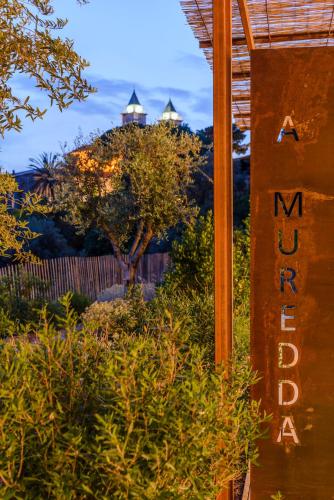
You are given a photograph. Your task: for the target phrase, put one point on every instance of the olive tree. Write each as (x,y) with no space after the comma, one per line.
(30,46)
(132,184)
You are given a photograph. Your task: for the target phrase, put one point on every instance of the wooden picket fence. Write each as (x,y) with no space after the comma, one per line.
(87,275)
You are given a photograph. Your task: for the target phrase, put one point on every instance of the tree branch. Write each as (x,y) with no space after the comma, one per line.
(142,246)
(116,248)
(205,175)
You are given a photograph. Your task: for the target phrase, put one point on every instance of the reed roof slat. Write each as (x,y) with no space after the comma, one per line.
(274,23)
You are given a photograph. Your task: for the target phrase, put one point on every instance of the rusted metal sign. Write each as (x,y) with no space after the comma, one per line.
(292,210)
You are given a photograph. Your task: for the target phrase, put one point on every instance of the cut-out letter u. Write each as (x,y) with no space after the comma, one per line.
(289,251)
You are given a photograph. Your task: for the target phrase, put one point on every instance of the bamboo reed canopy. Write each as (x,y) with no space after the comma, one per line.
(260,24)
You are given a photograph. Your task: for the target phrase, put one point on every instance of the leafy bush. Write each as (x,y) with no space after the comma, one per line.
(14,210)
(7,326)
(138,418)
(55,312)
(28,286)
(195,311)
(193,261)
(110,318)
(22,297)
(80,302)
(193,256)
(241,269)
(133,315)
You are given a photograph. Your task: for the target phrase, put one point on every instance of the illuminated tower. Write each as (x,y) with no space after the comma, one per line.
(134,112)
(171,115)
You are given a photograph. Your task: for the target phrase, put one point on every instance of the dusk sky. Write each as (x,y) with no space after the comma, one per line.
(141,44)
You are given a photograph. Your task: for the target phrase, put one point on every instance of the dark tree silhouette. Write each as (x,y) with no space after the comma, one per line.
(239,145)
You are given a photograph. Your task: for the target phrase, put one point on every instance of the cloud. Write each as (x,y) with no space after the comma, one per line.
(108,87)
(123,88)
(93,107)
(173,92)
(203,104)
(157,104)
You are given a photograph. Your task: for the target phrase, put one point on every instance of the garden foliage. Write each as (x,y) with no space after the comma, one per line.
(15,232)
(138,416)
(196,311)
(193,261)
(241,269)
(21,301)
(193,257)
(111,318)
(127,404)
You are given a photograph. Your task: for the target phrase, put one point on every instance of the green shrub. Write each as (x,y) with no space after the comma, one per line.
(79,302)
(27,286)
(193,257)
(21,298)
(7,326)
(110,318)
(194,310)
(242,336)
(241,279)
(193,261)
(55,312)
(138,418)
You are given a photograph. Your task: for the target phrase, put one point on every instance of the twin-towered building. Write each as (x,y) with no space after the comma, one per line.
(135,113)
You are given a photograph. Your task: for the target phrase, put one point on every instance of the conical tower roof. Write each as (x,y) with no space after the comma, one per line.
(170,114)
(134,111)
(170,108)
(134,99)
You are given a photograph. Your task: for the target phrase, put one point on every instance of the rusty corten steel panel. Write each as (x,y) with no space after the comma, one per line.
(292,277)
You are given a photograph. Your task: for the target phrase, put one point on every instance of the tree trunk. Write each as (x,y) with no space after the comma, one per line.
(132,275)
(129,269)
